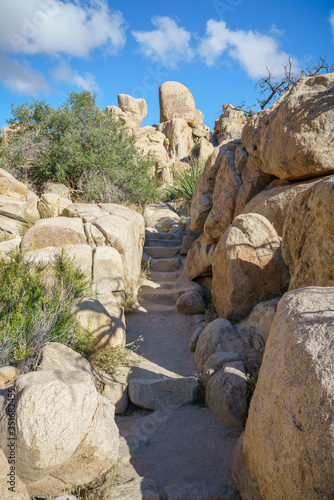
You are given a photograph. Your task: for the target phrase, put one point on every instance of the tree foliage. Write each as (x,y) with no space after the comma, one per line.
(80,145)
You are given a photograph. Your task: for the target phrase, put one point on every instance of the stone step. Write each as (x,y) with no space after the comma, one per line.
(159,236)
(165,265)
(162,243)
(160,296)
(161,277)
(165,285)
(161,252)
(153,394)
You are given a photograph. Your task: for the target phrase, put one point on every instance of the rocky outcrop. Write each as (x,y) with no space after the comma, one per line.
(65,430)
(273,202)
(242,478)
(226,189)
(55,232)
(52,205)
(201,203)
(308,236)
(108,330)
(176,101)
(180,138)
(199,258)
(157,393)
(217,336)
(230,124)
(293,138)
(247,267)
(225,394)
(289,440)
(190,303)
(130,111)
(12,188)
(160,216)
(258,323)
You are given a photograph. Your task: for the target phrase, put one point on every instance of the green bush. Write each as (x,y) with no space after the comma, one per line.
(36,304)
(82,146)
(184,182)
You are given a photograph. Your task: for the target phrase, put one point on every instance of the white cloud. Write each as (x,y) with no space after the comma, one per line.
(56,26)
(64,73)
(21,78)
(253,51)
(168,44)
(331,20)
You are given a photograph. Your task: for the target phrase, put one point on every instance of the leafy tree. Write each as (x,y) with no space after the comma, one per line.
(80,145)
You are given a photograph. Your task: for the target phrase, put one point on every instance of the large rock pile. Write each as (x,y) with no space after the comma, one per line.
(180,130)
(264,166)
(65,431)
(289,442)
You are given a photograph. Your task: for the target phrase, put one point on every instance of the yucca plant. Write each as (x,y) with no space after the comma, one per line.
(184,182)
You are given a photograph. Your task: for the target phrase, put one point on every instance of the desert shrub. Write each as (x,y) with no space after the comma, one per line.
(184,182)
(80,145)
(111,358)
(36,304)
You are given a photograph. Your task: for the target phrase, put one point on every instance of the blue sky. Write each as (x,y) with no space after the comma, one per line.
(218,49)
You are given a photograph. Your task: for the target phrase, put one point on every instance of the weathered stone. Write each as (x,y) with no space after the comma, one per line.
(117,393)
(225,394)
(289,439)
(156,393)
(108,330)
(88,212)
(242,478)
(108,276)
(57,188)
(80,255)
(52,205)
(12,206)
(77,442)
(194,338)
(10,228)
(201,203)
(225,193)
(187,243)
(7,247)
(217,361)
(294,137)
(247,267)
(308,236)
(219,335)
(12,188)
(259,322)
(57,232)
(124,229)
(254,180)
(199,259)
(230,124)
(190,303)
(134,109)
(176,101)
(32,210)
(55,356)
(180,138)
(8,374)
(158,214)
(205,149)
(274,201)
